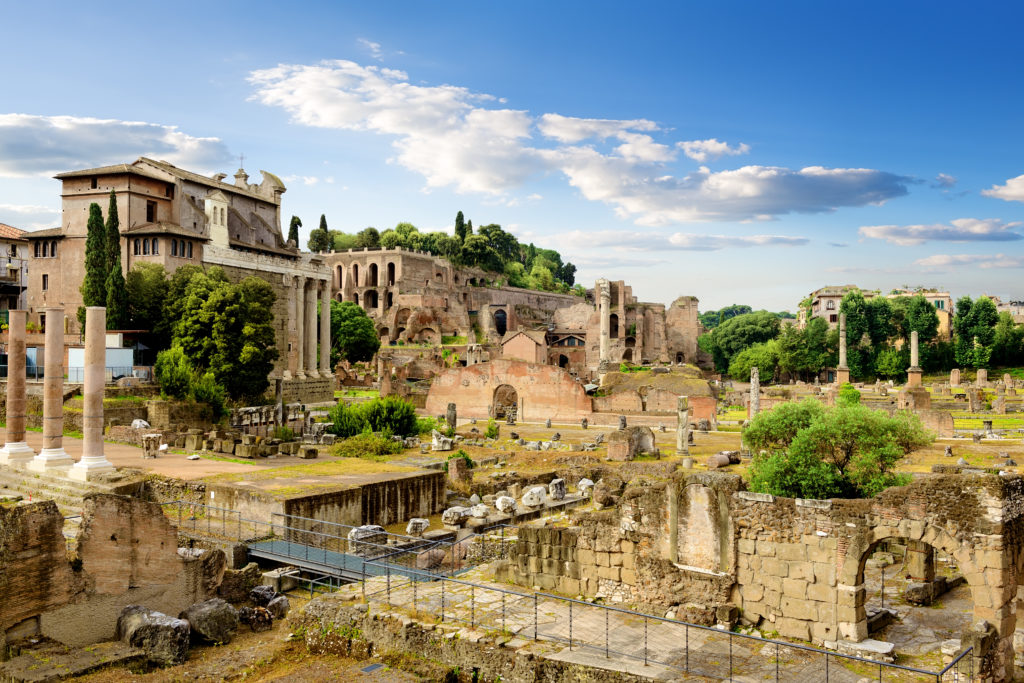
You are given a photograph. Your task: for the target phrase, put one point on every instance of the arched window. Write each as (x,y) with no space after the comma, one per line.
(37,249)
(53,249)
(831,305)
(174,247)
(138,247)
(190,250)
(156,246)
(46,249)
(145,247)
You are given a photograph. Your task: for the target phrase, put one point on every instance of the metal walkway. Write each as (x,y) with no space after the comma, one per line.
(329,562)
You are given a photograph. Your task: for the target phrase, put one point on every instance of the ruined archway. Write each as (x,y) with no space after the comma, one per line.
(391,275)
(370,299)
(385,334)
(355,274)
(341,276)
(613,326)
(627,355)
(390,299)
(679,357)
(506,401)
(371,276)
(355,297)
(500,322)
(563,361)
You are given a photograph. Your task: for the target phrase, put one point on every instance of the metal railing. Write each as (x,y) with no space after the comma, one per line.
(617,633)
(31,371)
(111,373)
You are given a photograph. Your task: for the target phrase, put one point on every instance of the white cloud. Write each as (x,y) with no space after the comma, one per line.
(702,150)
(959,230)
(448,135)
(1011,191)
(29,216)
(628,240)
(43,145)
(372,47)
(944,180)
(986,261)
(304,179)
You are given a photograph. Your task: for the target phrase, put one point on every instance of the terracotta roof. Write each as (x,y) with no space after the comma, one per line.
(9,232)
(49,233)
(163,229)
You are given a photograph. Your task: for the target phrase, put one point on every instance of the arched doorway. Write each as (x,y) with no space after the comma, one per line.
(370,298)
(613,326)
(355,297)
(679,357)
(563,361)
(355,274)
(391,275)
(500,322)
(627,355)
(390,300)
(341,276)
(384,334)
(506,401)
(372,276)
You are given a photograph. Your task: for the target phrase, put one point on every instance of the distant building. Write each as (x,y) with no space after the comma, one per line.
(825,303)
(1014,308)
(13,268)
(942,302)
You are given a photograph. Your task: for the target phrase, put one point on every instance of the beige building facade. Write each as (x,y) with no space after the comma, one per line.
(14,250)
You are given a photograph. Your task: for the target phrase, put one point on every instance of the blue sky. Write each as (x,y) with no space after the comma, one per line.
(738,152)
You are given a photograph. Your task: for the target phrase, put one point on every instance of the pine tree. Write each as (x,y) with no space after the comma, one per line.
(293,230)
(460,227)
(94,286)
(116,299)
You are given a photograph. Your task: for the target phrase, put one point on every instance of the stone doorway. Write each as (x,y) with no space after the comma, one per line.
(500,322)
(563,361)
(506,401)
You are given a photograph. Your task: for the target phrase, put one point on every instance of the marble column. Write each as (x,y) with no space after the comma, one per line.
(755,391)
(683,425)
(289,362)
(604,301)
(325,329)
(93,460)
(310,334)
(300,327)
(16,450)
(843,371)
(914,372)
(52,454)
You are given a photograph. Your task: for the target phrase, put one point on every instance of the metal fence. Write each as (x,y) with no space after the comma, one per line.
(670,646)
(31,371)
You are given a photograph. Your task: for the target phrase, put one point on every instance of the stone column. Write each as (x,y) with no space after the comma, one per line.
(16,450)
(290,335)
(93,460)
(300,327)
(914,371)
(604,301)
(52,455)
(325,329)
(755,391)
(920,562)
(683,425)
(843,371)
(310,334)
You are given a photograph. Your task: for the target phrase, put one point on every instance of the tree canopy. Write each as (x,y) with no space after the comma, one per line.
(737,334)
(353,337)
(117,294)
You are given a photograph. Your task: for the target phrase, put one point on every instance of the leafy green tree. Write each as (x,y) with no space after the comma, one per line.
(320,239)
(476,251)
(293,230)
(173,372)
(765,356)
(975,324)
(1007,342)
(846,451)
(353,336)
(147,287)
(741,332)
(117,293)
(367,237)
(848,395)
(94,286)
(775,429)
(804,353)
(891,363)
(712,319)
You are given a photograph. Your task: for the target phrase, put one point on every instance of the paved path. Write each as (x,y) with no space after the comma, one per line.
(614,640)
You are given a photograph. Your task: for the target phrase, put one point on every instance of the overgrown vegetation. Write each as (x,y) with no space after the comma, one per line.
(389,416)
(353,337)
(848,451)
(371,446)
(460,454)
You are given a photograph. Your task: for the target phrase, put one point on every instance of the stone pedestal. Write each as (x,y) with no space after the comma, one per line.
(52,456)
(93,461)
(16,451)
(914,377)
(842,376)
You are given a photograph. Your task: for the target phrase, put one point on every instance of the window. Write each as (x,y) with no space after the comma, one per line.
(46,282)
(53,249)
(36,248)
(145,247)
(833,318)
(156,246)
(151,212)
(831,305)
(174,247)
(190,250)
(46,249)
(138,247)
(169,191)
(94,182)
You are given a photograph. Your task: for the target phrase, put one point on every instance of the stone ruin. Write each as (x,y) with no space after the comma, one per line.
(630,442)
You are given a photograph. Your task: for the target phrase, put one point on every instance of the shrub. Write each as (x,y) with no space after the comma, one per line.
(391,414)
(848,395)
(205,389)
(368,446)
(283,433)
(460,454)
(173,372)
(492,430)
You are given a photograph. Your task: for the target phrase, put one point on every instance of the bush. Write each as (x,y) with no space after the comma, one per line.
(283,433)
(775,429)
(460,454)
(206,390)
(492,430)
(368,446)
(173,373)
(392,415)
(848,395)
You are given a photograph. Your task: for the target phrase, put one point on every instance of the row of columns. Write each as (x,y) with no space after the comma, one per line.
(304,362)
(53,457)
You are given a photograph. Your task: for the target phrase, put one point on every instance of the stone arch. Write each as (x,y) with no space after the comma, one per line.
(851,594)
(563,361)
(627,355)
(355,297)
(384,333)
(341,276)
(613,326)
(426,334)
(391,274)
(339,296)
(501,321)
(370,298)
(506,400)
(402,318)
(679,357)
(630,342)
(355,274)
(371,275)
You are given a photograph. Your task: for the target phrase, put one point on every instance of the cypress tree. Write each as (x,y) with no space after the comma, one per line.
(117,291)
(94,286)
(112,234)
(293,230)
(320,239)
(460,227)
(323,222)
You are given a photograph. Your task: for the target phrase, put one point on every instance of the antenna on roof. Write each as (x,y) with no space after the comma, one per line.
(241,161)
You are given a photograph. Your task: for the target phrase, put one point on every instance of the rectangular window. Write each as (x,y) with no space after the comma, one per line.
(37,249)
(169,191)
(151,212)
(833,318)
(156,246)
(94,183)
(46,282)
(190,250)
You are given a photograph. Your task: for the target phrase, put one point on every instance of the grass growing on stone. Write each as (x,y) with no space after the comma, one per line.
(224,458)
(356,393)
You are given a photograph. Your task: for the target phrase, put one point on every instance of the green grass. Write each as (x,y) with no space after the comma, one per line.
(356,393)
(452,341)
(224,458)
(965,420)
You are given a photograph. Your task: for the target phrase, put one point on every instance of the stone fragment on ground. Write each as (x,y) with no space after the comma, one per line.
(164,639)
(211,621)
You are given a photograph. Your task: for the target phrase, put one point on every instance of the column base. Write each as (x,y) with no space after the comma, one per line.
(87,471)
(914,377)
(50,459)
(286,375)
(16,453)
(300,375)
(312,374)
(842,376)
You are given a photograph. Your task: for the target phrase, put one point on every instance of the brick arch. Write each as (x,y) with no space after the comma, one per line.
(851,594)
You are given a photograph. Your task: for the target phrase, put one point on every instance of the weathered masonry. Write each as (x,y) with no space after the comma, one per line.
(701,540)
